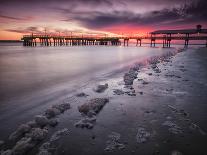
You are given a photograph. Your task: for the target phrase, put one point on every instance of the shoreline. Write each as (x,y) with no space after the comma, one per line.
(118,93)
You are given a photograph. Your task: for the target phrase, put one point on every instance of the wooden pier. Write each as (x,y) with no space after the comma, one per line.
(164,36)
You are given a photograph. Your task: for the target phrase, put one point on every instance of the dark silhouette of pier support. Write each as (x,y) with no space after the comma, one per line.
(30,42)
(139,42)
(153,38)
(166,41)
(126,42)
(186,40)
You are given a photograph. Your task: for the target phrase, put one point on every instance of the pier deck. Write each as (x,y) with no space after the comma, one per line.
(166,36)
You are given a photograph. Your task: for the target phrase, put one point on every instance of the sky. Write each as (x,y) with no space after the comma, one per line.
(134,17)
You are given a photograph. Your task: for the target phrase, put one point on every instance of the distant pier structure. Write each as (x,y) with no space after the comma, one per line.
(185,34)
(164,36)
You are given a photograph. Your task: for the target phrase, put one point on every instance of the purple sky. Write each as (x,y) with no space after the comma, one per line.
(19,17)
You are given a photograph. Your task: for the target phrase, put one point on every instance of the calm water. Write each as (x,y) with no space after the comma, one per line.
(31,79)
(25,70)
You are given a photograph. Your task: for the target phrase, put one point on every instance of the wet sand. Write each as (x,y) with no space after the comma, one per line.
(163,112)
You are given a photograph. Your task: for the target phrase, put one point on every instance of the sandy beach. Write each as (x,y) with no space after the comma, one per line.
(157,106)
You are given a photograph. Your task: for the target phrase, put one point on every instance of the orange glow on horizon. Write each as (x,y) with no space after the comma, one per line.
(129,30)
(5,35)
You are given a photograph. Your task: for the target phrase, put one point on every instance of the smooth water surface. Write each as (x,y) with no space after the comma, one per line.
(25,70)
(32,78)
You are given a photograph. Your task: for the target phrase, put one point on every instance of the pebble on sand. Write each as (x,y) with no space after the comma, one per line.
(175,152)
(37,134)
(101,88)
(173,128)
(21,130)
(6,152)
(129,77)
(46,147)
(81,95)
(22,146)
(142,135)
(94,105)
(62,107)
(56,110)
(53,122)
(86,123)
(118,92)
(114,142)
(58,134)
(52,112)
(145,82)
(41,120)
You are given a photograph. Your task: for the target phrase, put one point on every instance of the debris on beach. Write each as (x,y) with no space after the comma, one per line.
(32,124)
(94,105)
(130,92)
(81,95)
(141,93)
(45,149)
(30,134)
(175,152)
(57,135)
(56,110)
(53,122)
(118,92)
(90,108)
(150,111)
(101,88)
(23,146)
(169,89)
(145,82)
(114,142)
(130,76)
(29,140)
(142,135)
(62,107)
(194,126)
(37,134)
(183,69)
(86,123)
(173,128)
(167,60)
(41,120)
(128,79)
(21,130)
(180,112)
(155,68)
(48,148)
(6,152)
(52,112)
(172,75)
